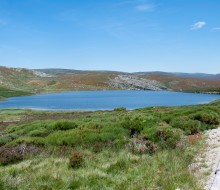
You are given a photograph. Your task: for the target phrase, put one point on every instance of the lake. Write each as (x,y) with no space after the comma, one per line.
(106,100)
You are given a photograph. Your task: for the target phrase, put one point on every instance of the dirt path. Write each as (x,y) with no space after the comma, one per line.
(207,161)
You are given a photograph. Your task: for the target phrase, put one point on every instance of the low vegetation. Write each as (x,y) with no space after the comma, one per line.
(149,148)
(7,93)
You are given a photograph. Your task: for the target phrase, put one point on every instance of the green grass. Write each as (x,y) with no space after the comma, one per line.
(7,93)
(165,170)
(146,148)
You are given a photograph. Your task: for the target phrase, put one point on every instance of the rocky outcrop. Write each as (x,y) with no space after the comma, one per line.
(134,82)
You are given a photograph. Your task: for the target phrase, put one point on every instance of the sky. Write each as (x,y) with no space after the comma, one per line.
(120,35)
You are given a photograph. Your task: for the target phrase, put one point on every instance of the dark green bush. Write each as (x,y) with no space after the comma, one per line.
(120,109)
(76,159)
(134,124)
(7,138)
(92,125)
(189,126)
(4,140)
(39,133)
(210,118)
(165,136)
(65,125)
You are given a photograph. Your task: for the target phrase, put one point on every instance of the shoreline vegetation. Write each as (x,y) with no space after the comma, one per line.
(8,93)
(147,148)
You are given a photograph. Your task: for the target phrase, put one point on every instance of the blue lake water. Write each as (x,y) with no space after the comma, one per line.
(106,100)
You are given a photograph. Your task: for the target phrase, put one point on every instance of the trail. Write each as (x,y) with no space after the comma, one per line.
(207,161)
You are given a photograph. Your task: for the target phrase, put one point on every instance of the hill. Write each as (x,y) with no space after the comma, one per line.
(183,75)
(54,80)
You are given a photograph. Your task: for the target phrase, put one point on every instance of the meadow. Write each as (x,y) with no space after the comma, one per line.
(148,148)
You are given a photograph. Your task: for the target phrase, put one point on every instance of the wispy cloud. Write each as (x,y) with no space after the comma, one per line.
(145,7)
(198,25)
(138,5)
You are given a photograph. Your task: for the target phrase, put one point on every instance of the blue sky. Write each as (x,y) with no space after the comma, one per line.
(124,35)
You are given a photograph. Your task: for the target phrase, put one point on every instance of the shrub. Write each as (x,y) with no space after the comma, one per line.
(165,136)
(39,133)
(14,154)
(76,159)
(92,125)
(135,124)
(120,109)
(167,119)
(65,125)
(140,144)
(7,138)
(189,126)
(4,140)
(211,118)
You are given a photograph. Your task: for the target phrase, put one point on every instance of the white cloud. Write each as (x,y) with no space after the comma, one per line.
(145,7)
(198,25)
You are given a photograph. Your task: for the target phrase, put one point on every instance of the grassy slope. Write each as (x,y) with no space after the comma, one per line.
(156,156)
(7,93)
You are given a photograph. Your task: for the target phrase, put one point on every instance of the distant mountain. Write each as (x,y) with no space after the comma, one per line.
(183,75)
(57,71)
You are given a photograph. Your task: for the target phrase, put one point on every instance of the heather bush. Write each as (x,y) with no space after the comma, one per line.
(140,144)
(210,118)
(120,109)
(39,133)
(4,140)
(65,125)
(189,126)
(165,136)
(76,159)
(135,124)
(92,125)
(10,155)
(14,154)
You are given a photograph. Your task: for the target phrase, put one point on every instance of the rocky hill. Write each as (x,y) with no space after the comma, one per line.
(53,80)
(134,82)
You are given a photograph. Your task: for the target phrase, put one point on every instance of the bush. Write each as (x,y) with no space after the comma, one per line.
(165,136)
(135,124)
(120,109)
(140,144)
(76,159)
(7,138)
(14,154)
(211,118)
(189,126)
(39,133)
(92,125)
(65,125)
(4,140)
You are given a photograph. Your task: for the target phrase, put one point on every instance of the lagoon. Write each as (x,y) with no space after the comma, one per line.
(106,100)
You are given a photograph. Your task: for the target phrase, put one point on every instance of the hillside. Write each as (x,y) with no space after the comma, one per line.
(54,80)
